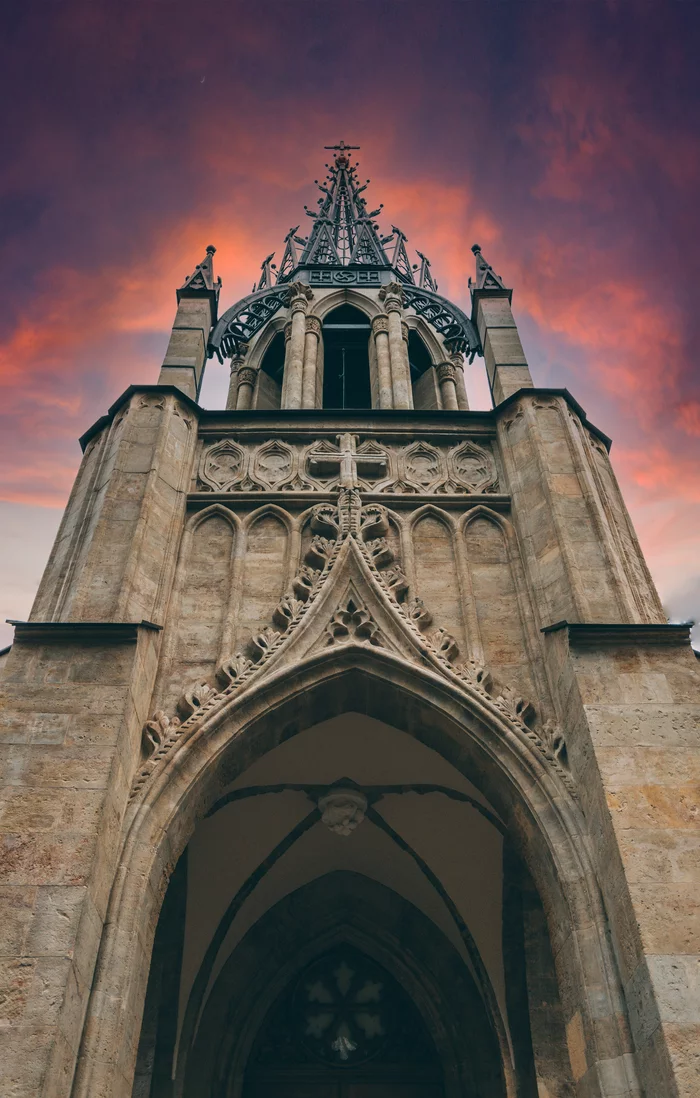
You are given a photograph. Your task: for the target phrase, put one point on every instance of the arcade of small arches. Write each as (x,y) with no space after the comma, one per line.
(347,350)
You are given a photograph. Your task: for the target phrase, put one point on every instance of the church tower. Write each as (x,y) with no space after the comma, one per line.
(347,752)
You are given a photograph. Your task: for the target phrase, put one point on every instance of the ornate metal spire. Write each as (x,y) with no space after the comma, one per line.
(344,230)
(344,248)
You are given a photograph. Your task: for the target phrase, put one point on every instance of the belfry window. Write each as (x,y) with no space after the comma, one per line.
(346,384)
(423,380)
(271,374)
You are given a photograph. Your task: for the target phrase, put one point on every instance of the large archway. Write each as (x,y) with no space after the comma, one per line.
(543,825)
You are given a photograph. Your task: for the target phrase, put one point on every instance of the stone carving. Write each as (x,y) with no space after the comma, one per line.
(555,741)
(422,467)
(472,467)
(223,467)
(263,643)
(445,644)
(156,731)
(273,464)
(342,810)
(352,621)
(419,614)
(233,670)
(194,699)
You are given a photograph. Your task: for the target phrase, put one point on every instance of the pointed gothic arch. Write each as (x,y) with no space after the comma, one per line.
(364,913)
(543,820)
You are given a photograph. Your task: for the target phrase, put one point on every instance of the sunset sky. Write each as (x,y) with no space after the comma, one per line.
(563,136)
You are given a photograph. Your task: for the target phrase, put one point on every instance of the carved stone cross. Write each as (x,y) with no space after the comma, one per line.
(348,461)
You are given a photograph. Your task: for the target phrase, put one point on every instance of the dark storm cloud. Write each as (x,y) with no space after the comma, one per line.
(562,136)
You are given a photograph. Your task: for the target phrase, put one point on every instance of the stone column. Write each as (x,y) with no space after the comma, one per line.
(247,377)
(457,360)
(236,363)
(308,387)
(380,331)
(448,392)
(299,297)
(392,297)
(186,355)
(506,364)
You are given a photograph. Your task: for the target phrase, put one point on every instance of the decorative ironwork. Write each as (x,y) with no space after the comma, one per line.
(454,326)
(344,248)
(243,320)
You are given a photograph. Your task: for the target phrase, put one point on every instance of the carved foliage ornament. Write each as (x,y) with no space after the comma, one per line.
(351,622)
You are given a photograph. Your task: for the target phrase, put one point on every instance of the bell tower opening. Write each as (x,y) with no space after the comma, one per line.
(422,376)
(346,383)
(271,374)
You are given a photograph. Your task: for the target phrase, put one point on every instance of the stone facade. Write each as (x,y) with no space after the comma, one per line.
(443,614)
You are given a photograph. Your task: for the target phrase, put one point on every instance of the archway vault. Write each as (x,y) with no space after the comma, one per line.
(344,908)
(543,823)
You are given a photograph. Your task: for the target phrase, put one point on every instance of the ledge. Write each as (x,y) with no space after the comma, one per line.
(466,500)
(80,632)
(570,400)
(594,634)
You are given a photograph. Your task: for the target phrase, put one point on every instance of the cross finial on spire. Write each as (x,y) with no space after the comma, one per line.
(342,147)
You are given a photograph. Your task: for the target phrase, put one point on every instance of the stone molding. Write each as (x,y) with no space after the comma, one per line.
(607,634)
(356,533)
(80,632)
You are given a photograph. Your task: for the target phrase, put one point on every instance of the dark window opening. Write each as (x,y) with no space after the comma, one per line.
(418,356)
(346,383)
(273,361)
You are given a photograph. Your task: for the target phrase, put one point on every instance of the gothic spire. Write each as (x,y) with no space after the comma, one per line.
(344,230)
(486,277)
(201,281)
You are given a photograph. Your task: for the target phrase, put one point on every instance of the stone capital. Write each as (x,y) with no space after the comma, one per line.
(380,323)
(313,324)
(298,297)
(247,375)
(404,331)
(391,296)
(287,331)
(238,359)
(445,372)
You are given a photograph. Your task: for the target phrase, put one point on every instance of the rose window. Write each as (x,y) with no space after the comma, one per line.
(341,1008)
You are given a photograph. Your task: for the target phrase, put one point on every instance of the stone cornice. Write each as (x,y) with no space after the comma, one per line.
(463,501)
(106,419)
(570,400)
(595,634)
(80,632)
(319,420)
